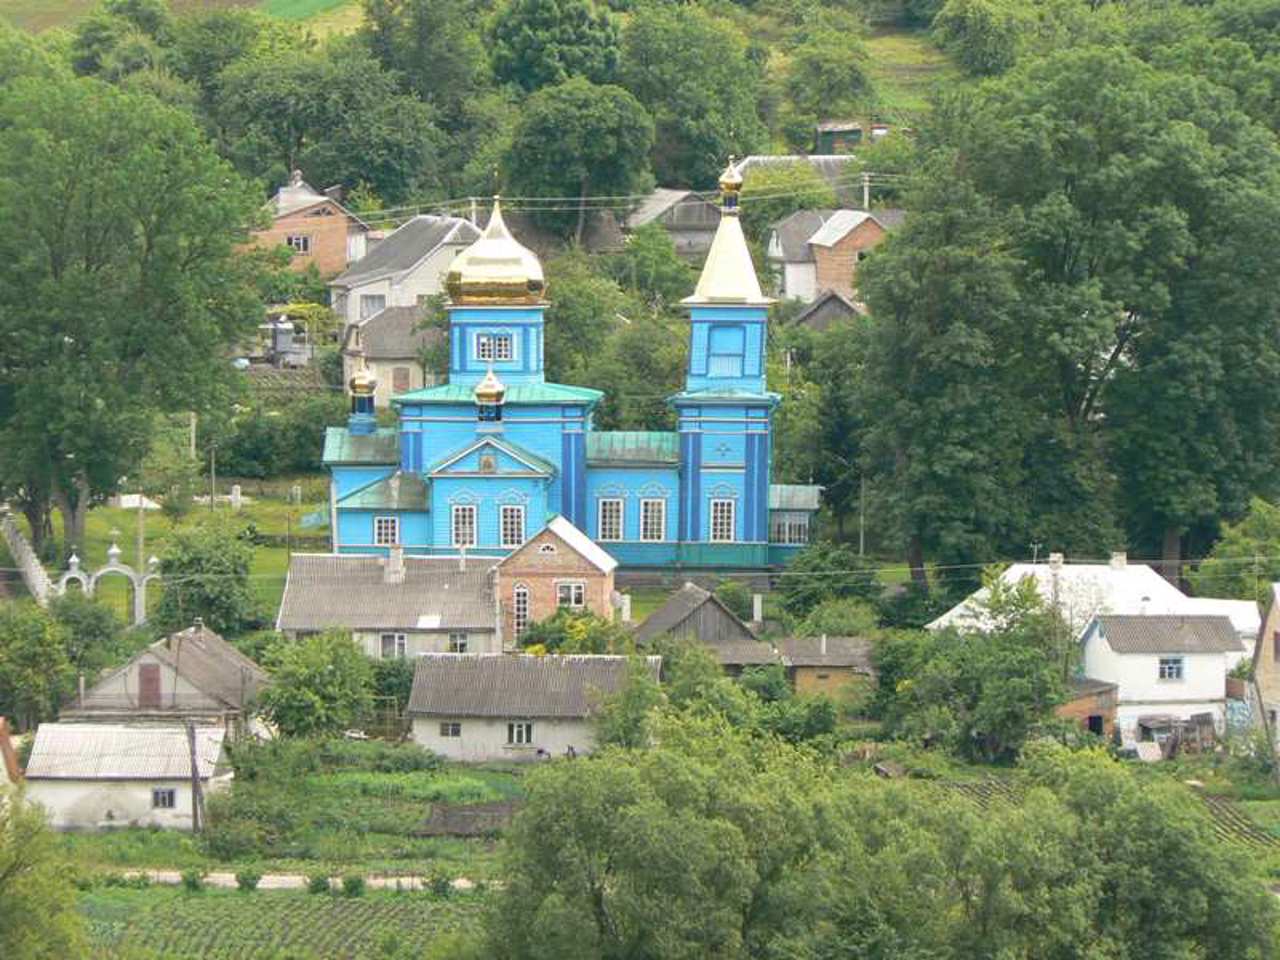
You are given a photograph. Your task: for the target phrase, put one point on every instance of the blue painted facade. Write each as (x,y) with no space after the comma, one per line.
(704,489)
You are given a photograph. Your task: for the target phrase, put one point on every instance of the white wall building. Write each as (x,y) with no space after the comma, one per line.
(512,706)
(91,776)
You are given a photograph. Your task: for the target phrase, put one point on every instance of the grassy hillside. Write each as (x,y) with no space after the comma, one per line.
(36,15)
(906,66)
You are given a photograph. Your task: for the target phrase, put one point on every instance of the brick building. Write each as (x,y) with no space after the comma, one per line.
(319,229)
(839,246)
(558,567)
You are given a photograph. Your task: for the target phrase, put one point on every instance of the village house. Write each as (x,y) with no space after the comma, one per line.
(834,666)
(512,706)
(389,345)
(1166,667)
(190,675)
(92,776)
(319,230)
(403,269)
(559,567)
(1092,704)
(688,217)
(395,606)
(839,170)
(814,251)
(699,616)
(829,309)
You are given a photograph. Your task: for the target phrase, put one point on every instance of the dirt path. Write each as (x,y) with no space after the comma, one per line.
(297,881)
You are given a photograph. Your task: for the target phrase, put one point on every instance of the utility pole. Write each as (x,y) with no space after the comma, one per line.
(213,475)
(142,524)
(862,515)
(192,447)
(866,191)
(197,799)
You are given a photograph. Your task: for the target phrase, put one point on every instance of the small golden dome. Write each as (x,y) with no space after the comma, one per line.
(731,179)
(490,391)
(362,382)
(495,269)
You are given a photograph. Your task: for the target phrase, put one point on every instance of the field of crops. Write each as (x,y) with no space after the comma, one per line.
(266,925)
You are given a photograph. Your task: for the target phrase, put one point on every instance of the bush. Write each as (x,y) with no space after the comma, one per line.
(827,571)
(193,880)
(247,880)
(440,885)
(353,885)
(737,597)
(318,883)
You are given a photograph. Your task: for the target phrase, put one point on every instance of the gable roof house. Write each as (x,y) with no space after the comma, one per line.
(319,229)
(389,345)
(689,218)
(828,665)
(512,706)
(192,674)
(814,251)
(1166,667)
(403,268)
(99,775)
(697,615)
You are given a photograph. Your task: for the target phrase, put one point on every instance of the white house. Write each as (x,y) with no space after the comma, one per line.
(10,772)
(92,776)
(405,267)
(512,706)
(390,345)
(1165,665)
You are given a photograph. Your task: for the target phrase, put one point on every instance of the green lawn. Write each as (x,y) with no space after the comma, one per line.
(328,15)
(906,66)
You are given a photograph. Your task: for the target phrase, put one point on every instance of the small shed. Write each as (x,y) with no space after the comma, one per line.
(1092,703)
(826,664)
(837,136)
(695,614)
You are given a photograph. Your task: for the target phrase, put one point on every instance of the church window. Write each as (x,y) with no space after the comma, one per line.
(300,242)
(722,521)
(571,594)
(370,304)
(724,351)
(512,526)
(386,531)
(494,346)
(547,548)
(464,526)
(520,609)
(789,527)
(653,519)
(610,525)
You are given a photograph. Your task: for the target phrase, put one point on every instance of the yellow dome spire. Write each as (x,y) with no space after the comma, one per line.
(496,270)
(728,275)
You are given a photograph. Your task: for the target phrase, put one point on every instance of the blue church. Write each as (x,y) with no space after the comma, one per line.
(483,462)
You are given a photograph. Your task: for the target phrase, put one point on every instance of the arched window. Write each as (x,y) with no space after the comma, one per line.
(520,610)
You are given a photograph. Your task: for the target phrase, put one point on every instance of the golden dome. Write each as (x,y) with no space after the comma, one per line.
(362,382)
(495,269)
(731,179)
(490,390)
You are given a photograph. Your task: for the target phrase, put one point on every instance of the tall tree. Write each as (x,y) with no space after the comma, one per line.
(205,570)
(119,281)
(433,44)
(35,672)
(38,916)
(537,43)
(320,685)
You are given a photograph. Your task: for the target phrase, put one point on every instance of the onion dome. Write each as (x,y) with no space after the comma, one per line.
(362,382)
(730,187)
(490,391)
(495,270)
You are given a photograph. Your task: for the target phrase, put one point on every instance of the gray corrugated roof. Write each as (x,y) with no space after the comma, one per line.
(672,613)
(838,226)
(794,230)
(794,496)
(841,304)
(394,334)
(1169,633)
(102,751)
(342,446)
(891,218)
(405,246)
(211,665)
(324,590)
(852,652)
(516,685)
(682,604)
(1088,687)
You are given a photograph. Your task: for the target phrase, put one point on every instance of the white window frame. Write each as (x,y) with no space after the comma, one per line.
(459,511)
(610,535)
(458,642)
(386,531)
(520,609)
(399,646)
(717,526)
(576,591)
(164,798)
(1171,669)
(367,299)
(505,512)
(520,733)
(495,347)
(450,728)
(647,506)
(300,243)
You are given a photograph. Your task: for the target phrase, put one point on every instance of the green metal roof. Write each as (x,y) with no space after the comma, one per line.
(523,393)
(506,446)
(632,447)
(400,491)
(794,496)
(343,447)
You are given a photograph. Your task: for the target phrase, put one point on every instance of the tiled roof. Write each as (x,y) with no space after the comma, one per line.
(838,226)
(1170,633)
(516,685)
(400,491)
(793,231)
(517,393)
(632,447)
(852,652)
(405,246)
(343,447)
(102,751)
(393,334)
(350,592)
(794,496)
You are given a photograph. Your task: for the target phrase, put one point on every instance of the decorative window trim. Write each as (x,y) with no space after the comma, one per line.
(495,347)
(519,609)
(654,491)
(718,531)
(511,535)
(617,528)
(468,528)
(647,505)
(386,531)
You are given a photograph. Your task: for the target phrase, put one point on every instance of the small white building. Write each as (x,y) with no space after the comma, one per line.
(1164,665)
(92,776)
(512,706)
(10,772)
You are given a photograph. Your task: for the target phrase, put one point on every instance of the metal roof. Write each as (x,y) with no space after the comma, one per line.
(405,246)
(117,751)
(350,592)
(793,231)
(211,665)
(854,652)
(516,685)
(838,226)
(400,491)
(728,275)
(729,394)
(632,447)
(343,447)
(583,544)
(681,605)
(517,393)
(1170,633)
(794,496)
(393,334)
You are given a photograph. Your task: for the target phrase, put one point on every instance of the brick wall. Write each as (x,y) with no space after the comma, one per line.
(541,573)
(837,265)
(326,226)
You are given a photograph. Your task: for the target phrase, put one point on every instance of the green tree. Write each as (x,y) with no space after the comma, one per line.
(1246,559)
(121,37)
(577,139)
(207,42)
(839,617)
(568,631)
(95,637)
(38,915)
(736,596)
(826,571)
(205,572)
(35,673)
(539,43)
(583,316)
(432,44)
(827,75)
(649,268)
(625,718)
(124,227)
(320,685)
(982,35)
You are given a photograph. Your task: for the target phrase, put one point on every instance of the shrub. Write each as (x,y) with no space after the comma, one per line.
(193,880)
(353,885)
(318,883)
(248,880)
(441,885)
(736,596)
